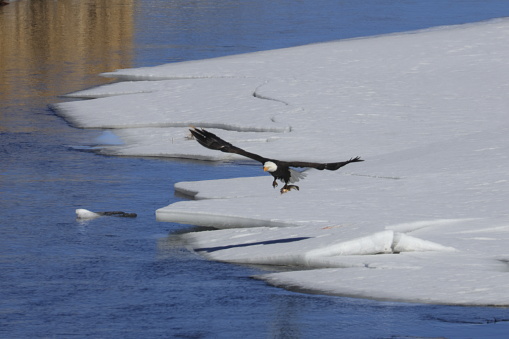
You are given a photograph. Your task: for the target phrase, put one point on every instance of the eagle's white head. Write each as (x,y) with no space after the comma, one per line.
(269,166)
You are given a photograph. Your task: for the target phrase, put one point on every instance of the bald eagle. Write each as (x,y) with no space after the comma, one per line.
(280,170)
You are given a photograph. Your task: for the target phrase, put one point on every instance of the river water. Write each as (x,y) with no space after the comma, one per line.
(132,278)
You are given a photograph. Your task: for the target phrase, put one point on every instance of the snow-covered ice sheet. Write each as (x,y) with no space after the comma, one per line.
(176,104)
(423,219)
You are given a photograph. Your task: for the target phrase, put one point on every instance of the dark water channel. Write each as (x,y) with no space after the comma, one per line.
(132,278)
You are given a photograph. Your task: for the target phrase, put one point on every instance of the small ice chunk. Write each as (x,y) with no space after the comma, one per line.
(86,214)
(82,213)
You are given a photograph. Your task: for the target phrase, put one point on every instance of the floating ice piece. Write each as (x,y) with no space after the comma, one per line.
(86,214)
(82,213)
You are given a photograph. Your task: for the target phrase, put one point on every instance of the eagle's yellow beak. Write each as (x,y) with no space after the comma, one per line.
(265,168)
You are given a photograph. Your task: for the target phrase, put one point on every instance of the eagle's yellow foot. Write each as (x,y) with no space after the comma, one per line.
(288,188)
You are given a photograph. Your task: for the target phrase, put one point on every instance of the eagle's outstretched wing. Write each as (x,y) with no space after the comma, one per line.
(331,166)
(212,141)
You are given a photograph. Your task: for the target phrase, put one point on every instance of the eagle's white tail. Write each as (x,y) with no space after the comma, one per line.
(296,176)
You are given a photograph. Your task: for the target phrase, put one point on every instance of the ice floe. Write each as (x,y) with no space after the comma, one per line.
(423,219)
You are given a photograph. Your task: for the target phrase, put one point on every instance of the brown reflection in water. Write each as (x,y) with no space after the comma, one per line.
(49,48)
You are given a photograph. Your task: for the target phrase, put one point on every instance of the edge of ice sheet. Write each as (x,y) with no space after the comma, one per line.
(448,284)
(255,64)
(423,271)
(213,103)
(304,247)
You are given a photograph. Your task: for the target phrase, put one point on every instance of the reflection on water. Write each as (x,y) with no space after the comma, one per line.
(50,48)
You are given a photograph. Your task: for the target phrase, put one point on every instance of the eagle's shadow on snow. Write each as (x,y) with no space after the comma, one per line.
(267,242)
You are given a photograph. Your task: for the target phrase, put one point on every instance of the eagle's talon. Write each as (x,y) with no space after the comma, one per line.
(288,188)
(274,184)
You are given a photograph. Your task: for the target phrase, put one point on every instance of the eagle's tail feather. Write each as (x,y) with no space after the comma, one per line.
(335,165)
(296,176)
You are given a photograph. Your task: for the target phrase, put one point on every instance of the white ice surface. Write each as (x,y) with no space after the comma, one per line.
(423,219)
(82,213)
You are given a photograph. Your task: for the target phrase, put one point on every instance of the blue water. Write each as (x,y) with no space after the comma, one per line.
(132,278)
